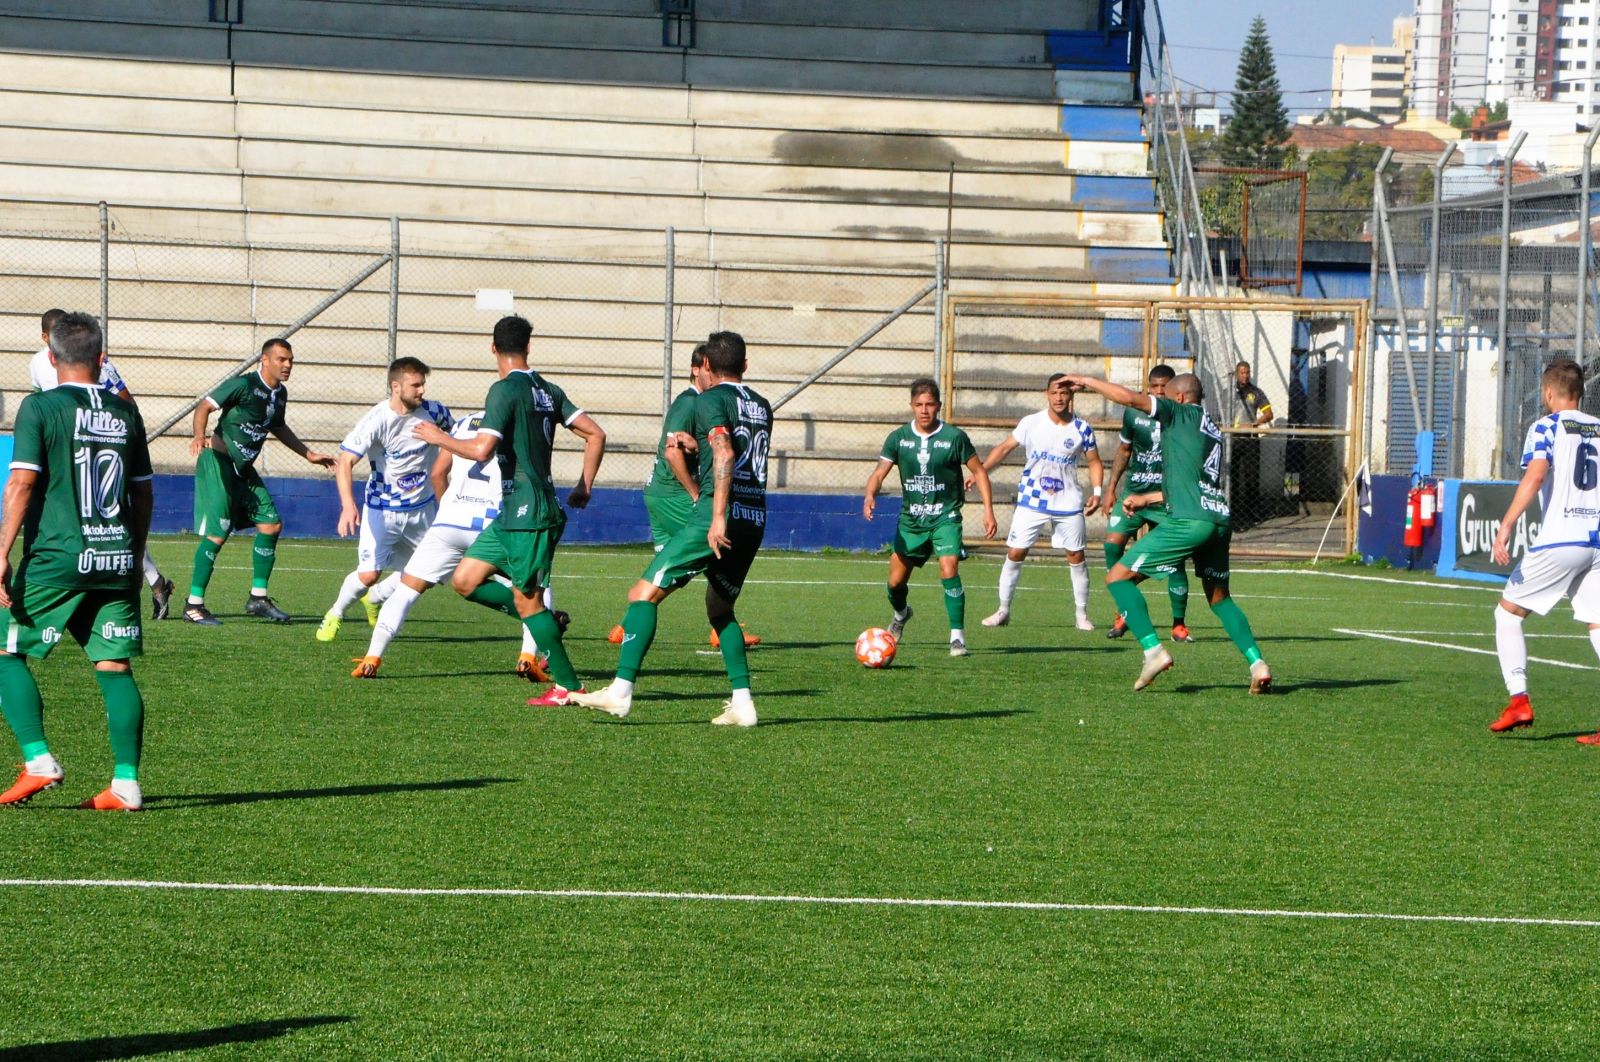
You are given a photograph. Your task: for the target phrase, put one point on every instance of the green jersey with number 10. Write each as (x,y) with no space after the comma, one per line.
(1191,456)
(87,446)
(746,418)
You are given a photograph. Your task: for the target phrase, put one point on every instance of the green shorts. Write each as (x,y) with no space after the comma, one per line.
(524,557)
(668,513)
(104,622)
(1119,523)
(687,553)
(227,498)
(1173,541)
(943,540)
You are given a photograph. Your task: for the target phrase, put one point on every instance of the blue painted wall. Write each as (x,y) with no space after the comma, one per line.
(1086,121)
(310,509)
(1130,265)
(1098,192)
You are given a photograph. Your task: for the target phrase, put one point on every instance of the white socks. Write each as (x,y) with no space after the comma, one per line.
(43,765)
(957,635)
(529,646)
(127,790)
(349,590)
(1080,586)
(624,690)
(1010,575)
(391,617)
(386,587)
(1512,650)
(152,574)
(742,699)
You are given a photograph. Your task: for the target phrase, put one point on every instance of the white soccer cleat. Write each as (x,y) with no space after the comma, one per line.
(736,715)
(897,624)
(1260,677)
(1156,661)
(958,648)
(603,700)
(1084,623)
(330,627)
(999,619)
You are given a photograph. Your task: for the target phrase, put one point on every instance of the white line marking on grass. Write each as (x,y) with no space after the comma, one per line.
(1431,584)
(1483,634)
(1458,648)
(822,901)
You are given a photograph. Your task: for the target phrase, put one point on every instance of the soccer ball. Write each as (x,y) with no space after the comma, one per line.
(875,648)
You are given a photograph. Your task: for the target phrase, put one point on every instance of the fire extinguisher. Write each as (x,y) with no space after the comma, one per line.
(1430,505)
(1413,537)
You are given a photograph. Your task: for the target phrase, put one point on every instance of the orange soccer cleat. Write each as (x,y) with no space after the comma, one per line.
(106,800)
(532,668)
(1180,632)
(29,786)
(1588,739)
(366,666)
(1519,713)
(750,640)
(616,635)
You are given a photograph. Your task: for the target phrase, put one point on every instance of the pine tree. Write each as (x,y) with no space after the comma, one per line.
(1260,124)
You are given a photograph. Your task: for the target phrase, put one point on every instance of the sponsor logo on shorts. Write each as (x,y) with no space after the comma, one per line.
(117,561)
(109,630)
(748,514)
(49,636)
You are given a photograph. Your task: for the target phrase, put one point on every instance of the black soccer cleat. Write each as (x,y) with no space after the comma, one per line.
(199,614)
(265,608)
(562,619)
(161,599)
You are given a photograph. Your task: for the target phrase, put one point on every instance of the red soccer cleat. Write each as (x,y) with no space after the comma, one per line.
(554,697)
(29,786)
(750,640)
(106,800)
(1180,633)
(1519,713)
(616,635)
(1588,739)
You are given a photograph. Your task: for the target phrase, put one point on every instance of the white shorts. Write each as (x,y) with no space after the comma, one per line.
(1028,524)
(439,552)
(388,537)
(1543,577)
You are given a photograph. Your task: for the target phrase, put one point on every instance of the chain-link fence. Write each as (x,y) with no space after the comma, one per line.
(1475,291)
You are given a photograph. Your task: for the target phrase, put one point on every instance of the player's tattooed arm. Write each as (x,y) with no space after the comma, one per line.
(981,475)
(287,436)
(722,457)
(594,448)
(874,484)
(1119,465)
(1527,490)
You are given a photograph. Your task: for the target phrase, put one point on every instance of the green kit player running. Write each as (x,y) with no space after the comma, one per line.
(228,492)
(1140,457)
(518,429)
(80,494)
(930,456)
(733,434)
(1196,525)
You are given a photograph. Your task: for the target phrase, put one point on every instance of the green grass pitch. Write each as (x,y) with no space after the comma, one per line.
(1026,772)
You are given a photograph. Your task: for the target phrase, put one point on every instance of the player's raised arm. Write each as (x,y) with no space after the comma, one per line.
(980,476)
(478,448)
(594,449)
(1527,490)
(875,484)
(1122,396)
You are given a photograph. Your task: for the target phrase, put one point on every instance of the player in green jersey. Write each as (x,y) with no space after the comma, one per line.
(518,429)
(930,456)
(733,435)
(79,493)
(1140,457)
(228,492)
(1196,525)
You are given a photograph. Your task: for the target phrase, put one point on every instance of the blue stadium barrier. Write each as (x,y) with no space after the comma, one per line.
(1108,192)
(1130,265)
(1083,121)
(1380,535)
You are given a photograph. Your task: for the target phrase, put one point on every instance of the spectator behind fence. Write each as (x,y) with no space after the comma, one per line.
(1255,411)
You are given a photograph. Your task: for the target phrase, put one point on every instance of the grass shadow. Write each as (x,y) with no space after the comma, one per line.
(110,1047)
(1280,689)
(903,717)
(176,801)
(1567,736)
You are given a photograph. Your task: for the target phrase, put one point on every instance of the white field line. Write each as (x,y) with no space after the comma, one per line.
(1481,634)
(1429,584)
(821,901)
(1458,648)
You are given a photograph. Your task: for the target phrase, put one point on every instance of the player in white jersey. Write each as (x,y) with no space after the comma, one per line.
(400,493)
(42,373)
(1049,497)
(467,506)
(1561,465)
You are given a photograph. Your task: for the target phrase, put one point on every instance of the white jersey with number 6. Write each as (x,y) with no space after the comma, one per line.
(473,498)
(1570,442)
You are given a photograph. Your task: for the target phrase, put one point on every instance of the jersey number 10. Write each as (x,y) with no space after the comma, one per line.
(99,483)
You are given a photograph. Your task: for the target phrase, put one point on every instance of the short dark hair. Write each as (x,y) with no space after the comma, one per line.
(75,339)
(512,333)
(407,366)
(48,320)
(698,358)
(725,353)
(1241,365)
(1565,377)
(1162,372)
(924,385)
(1053,378)
(276,341)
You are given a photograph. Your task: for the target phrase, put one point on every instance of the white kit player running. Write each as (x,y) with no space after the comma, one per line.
(400,499)
(1049,497)
(467,506)
(1561,465)
(42,373)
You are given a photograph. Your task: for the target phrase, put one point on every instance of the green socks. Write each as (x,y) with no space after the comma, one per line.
(492,593)
(955,602)
(547,633)
(205,559)
(24,712)
(1237,625)
(1178,593)
(638,631)
(897,598)
(124,720)
(1130,602)
(263,557)
(734,657)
